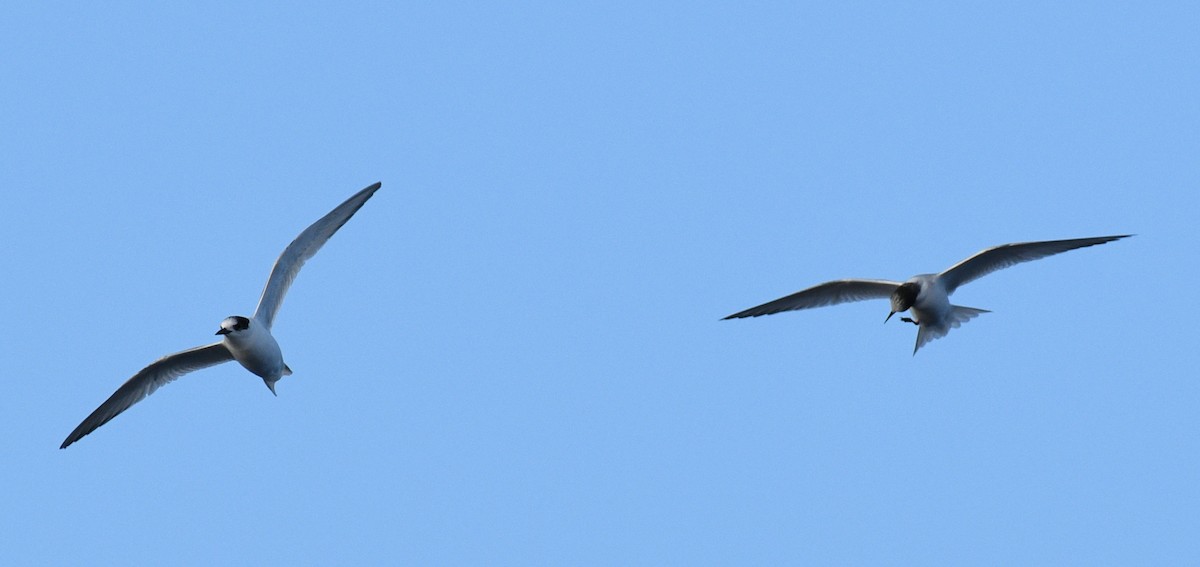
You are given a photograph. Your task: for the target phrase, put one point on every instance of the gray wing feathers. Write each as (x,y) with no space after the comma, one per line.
(1000,257)
(144,383)
(303,248)
(828,293)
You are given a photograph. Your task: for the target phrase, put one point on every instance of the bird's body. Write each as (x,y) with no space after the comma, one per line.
(932,312)
(925,296)
(932,304)
(248,340)
(255,349)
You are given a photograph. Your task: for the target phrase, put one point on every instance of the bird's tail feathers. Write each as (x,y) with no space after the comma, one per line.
(957,316)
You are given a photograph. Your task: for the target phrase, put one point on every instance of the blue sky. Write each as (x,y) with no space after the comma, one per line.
(512,354)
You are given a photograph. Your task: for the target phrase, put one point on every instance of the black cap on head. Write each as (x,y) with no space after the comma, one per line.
(903,298)
(234,323)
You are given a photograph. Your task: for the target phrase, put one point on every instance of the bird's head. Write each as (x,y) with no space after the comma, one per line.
(233,325)
(903,298)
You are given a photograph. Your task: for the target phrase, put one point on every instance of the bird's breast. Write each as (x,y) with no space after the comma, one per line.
(258,353)
(932,304)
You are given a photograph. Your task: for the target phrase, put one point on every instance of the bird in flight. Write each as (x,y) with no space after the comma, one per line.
(247,340)
(926,295)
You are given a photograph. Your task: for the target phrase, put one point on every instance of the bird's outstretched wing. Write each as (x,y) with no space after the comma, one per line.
(828,293)
(144,383)
(301,249)
(1003,256)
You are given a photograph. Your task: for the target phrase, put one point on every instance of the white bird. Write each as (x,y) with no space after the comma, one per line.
(246,340)
(927,295)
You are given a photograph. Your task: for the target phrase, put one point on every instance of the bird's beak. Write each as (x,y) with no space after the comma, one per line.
(889,316)
(271,385)
(222,331)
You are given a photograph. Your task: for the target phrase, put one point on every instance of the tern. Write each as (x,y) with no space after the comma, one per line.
(247,340)
(926,295)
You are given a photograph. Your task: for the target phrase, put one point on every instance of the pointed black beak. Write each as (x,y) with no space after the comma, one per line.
(223,331)
(889,316)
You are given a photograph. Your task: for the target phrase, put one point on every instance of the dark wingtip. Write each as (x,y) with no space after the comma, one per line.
(740,315)
(1106,239)
(746,314)
(73,437)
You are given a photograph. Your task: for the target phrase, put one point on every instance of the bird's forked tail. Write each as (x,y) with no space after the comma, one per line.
(957,316)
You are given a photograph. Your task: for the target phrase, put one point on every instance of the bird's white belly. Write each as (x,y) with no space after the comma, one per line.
(932,304)
(258,353)
(928,316)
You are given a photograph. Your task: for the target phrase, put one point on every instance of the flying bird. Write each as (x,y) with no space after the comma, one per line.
(926,295)
(247,340)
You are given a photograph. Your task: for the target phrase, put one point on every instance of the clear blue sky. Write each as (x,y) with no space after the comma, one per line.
(512,354)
